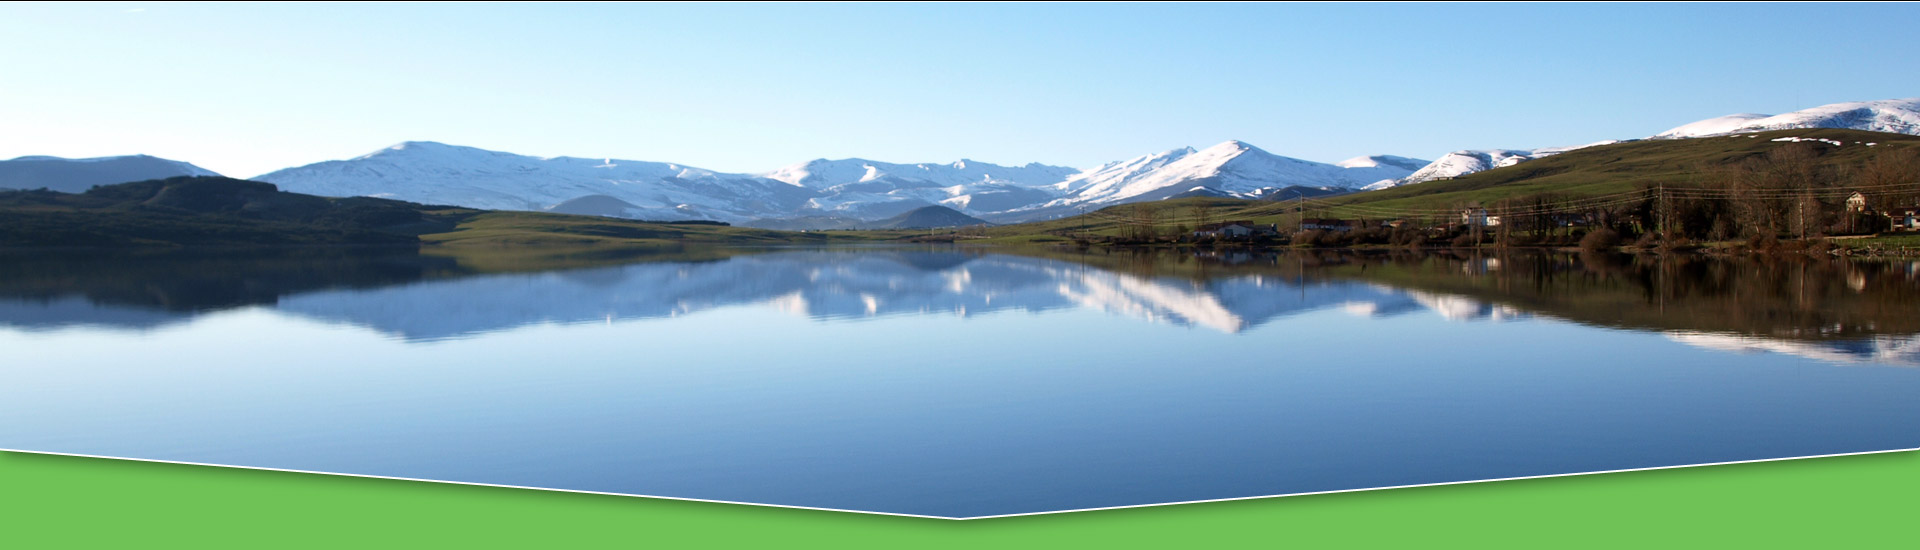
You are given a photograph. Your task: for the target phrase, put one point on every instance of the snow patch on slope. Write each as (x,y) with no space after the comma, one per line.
(1712,126)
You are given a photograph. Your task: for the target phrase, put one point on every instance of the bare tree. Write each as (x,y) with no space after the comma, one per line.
(1202,214)
(1888,169)
(1146,221)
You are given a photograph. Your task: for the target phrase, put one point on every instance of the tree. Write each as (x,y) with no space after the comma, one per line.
(1202,215)
(1880,174)
(1145,223)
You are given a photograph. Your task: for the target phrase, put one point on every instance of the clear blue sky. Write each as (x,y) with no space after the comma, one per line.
(252,88)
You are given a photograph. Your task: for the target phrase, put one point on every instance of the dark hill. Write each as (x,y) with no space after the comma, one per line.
(594,205)
(216,211)
(208,211)
(928,217)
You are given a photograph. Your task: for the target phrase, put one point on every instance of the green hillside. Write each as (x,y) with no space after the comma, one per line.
(1572,176)
(1624,167)
(208,211)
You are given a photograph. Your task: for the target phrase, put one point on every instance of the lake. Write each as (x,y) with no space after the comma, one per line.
(949,381)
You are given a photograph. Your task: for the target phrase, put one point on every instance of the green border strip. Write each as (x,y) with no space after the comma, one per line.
(1002,516)
(59,501)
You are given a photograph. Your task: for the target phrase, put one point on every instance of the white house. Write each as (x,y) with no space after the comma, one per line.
(1479,217)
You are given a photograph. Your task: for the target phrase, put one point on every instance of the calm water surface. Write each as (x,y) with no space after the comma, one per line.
(955,382)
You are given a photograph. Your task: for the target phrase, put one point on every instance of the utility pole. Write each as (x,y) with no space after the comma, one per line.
(1082,229)
(1301,206)
(1660,210)
(1802,208)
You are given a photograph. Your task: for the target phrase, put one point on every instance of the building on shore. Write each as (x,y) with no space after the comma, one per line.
(1236,230)
(1478,217)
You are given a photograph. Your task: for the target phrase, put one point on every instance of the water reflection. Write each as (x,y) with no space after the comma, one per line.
(953,382)
(1833,310)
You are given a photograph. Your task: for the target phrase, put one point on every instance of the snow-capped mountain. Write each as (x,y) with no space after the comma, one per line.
(78,175)
(1899,116)
(862,189)
(824,174)
(1460,163)
(435,173)
(1232,168)
(1712,126)
(867,189)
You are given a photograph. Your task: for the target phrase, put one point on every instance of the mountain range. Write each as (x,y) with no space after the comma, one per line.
(854,192)
(838,193)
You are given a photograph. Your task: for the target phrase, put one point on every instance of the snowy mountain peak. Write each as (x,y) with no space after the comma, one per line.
(1231,168)
(423,146)
(1460,163)
(1712,126)
(1231,145)
(438,173)
(1900,116)
(419,148)
(824,174)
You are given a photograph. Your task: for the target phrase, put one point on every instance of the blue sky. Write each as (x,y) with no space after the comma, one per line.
(248,89)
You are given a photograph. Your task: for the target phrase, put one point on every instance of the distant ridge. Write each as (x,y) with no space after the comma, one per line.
(78,175)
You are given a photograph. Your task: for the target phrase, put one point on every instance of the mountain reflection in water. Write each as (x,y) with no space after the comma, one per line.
(1834,310)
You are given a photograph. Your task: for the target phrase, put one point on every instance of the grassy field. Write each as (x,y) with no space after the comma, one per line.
(1895,241)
